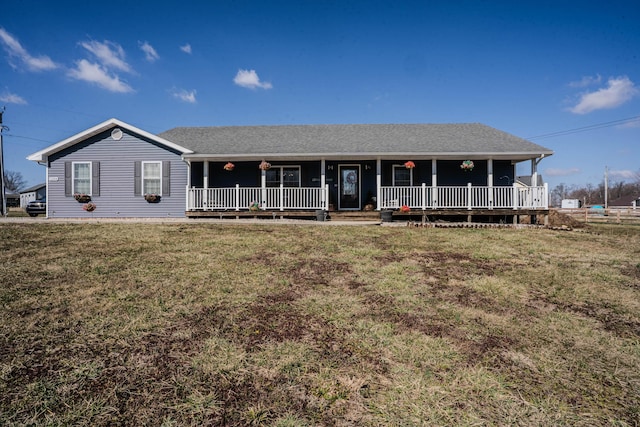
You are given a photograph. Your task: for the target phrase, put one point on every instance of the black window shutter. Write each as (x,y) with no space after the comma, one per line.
(95,178)
(137,178)
(68,180)
(166,178)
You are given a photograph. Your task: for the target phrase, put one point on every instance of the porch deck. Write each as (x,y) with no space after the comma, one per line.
(507,216)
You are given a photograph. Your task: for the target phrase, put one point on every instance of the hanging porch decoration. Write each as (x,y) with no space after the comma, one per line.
(229,166)
(467,166)
(409,164)
(264,165)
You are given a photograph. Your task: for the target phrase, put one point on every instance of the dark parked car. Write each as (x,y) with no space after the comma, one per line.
(36,207)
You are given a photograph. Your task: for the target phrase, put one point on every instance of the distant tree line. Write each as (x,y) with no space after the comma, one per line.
(590,194)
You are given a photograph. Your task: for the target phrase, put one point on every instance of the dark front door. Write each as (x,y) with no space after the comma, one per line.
(349,187)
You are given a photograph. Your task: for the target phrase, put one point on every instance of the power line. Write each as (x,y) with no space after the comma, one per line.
(586,128)
(28,137)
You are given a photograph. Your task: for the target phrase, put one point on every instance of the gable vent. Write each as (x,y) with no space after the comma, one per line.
(116,134)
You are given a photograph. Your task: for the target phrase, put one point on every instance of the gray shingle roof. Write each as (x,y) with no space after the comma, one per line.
(471,140)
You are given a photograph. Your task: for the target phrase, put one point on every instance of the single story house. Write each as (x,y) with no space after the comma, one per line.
(32,193)
(626,202)
(118,170)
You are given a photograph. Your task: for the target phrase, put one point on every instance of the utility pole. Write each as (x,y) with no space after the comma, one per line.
(606,187)
(2,189)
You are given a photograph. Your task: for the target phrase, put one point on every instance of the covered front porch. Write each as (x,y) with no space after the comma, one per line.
(360,185)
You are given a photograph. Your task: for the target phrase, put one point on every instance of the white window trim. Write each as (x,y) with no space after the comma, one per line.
(281,167)
(402,167)
(159,193)
(73,177)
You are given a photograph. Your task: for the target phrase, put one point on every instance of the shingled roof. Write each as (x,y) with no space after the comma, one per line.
(469,140)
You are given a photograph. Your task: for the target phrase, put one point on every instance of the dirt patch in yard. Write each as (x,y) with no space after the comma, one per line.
(559,219)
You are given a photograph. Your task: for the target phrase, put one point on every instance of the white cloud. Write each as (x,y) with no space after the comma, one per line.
(587,81)
(94,73)
(110,55)
(185,95)
(186,48)
(618,91)
(561,172)
(250,79)
(12,98)
(15,49)
(150,53)
(624,174)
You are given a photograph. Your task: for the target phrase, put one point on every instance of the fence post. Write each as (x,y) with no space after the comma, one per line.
(469,198)
(424,196)
(515,196)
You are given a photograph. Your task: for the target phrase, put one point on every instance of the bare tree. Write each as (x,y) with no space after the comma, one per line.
(13,181)
(560,191)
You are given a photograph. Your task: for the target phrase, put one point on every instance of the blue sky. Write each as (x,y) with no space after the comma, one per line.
(530,68)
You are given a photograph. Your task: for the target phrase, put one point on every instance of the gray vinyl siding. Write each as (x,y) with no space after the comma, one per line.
(113,182)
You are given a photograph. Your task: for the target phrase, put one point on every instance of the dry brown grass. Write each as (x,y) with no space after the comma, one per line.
(200,324)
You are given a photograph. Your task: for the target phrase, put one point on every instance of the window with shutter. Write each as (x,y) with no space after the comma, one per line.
(152,178)
(81,178)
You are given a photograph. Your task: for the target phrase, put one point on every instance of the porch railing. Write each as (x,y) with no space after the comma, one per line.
(464,197)
(415,197)
(269,198)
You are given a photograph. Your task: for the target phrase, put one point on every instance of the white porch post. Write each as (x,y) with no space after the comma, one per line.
(534,173)
(434,183)
(205,184)
(188,192)
(378,183)
(323,183)
(281,201)
(237,197)
(263,191)
(490,181)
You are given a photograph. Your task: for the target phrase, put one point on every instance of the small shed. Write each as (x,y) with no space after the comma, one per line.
(32,193)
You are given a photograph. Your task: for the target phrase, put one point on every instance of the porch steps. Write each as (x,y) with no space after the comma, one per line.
(353,216)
